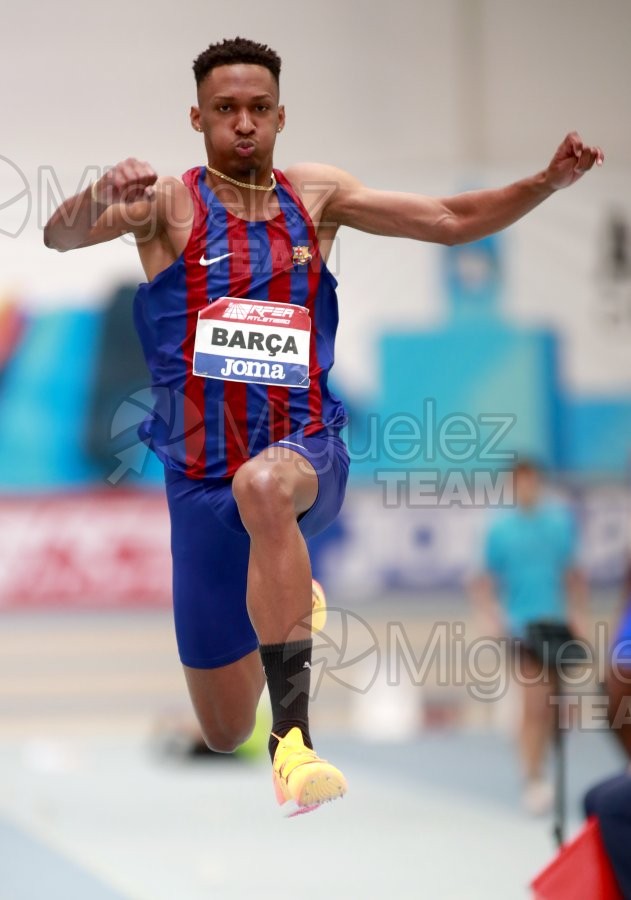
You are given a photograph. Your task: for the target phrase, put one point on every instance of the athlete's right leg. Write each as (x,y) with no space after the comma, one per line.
(225,700)
(216,642)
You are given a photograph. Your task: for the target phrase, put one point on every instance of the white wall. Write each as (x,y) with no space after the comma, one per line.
(555,65)
(427,96)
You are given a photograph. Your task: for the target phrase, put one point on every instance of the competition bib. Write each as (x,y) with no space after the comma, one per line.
(257,341)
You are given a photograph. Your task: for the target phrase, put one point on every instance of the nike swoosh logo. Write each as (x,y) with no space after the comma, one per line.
(209,262)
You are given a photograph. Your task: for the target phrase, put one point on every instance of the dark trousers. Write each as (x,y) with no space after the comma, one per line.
(610,801)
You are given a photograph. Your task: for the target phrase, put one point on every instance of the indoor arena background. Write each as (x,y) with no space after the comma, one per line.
(520,341)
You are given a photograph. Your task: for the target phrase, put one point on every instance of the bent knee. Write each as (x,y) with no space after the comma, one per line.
(226,740)
(262,493)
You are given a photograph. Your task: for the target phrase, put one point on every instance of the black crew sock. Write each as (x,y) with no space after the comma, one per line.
(288,672)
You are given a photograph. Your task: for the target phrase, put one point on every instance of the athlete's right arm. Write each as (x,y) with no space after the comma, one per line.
(129,198)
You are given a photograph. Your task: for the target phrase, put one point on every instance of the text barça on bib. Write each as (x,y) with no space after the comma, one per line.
(256,341)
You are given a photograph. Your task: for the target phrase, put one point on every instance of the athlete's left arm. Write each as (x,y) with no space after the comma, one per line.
(450,220)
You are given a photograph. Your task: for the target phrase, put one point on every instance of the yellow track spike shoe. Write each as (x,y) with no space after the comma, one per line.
(318,606)
(303,781)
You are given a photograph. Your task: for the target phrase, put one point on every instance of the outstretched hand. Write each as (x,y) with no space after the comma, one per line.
(571,161)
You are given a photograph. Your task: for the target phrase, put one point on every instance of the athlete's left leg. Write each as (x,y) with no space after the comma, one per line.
(280,493)
(272,490)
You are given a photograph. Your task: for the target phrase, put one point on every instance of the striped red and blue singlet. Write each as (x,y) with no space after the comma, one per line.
(204,427)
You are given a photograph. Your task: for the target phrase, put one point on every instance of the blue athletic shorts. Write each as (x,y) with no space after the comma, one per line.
(210,550)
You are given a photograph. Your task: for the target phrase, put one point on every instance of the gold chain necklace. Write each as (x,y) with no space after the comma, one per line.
(244,184)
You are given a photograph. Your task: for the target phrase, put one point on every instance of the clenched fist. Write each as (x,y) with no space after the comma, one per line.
(572,159)
(127,182)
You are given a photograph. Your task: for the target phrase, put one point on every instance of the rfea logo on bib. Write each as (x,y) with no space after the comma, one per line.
(256,341)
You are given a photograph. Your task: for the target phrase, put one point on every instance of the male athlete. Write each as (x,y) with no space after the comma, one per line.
(261,465)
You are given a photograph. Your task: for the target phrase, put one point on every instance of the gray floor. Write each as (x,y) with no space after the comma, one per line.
(108,819)
(89,810)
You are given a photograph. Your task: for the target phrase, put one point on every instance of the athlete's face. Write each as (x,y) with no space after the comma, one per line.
(240,116)
(527,487)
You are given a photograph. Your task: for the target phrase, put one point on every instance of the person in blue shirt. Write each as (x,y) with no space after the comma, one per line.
(610,800)
(531,577)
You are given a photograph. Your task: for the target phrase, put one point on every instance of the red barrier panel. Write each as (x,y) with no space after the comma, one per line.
(580,871)
(92,550)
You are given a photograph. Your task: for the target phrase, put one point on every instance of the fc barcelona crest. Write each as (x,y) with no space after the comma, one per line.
(301,256)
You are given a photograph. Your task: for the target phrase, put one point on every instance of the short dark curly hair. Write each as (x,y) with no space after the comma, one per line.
(236,50)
